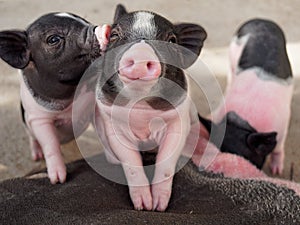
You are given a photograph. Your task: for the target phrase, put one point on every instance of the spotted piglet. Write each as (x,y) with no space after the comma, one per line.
(142,100)
(52,55)
(258,97)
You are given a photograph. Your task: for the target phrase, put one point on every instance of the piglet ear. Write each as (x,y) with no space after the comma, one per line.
(120,11)
(190,36)
(13,48)
(262,143)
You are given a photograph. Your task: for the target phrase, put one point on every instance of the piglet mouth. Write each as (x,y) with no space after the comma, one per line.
(127,80)
(141,79)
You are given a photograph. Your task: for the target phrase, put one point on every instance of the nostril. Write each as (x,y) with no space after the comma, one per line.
(151,66)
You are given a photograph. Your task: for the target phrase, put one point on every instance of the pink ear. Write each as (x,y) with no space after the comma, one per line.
(102,34)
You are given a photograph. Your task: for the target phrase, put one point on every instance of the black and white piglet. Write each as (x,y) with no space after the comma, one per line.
(142,100)
(52,53)
(259,93)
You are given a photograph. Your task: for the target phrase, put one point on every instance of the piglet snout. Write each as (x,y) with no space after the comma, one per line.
(140,62)
(102,33)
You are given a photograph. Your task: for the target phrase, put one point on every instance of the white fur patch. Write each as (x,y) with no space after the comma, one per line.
(67,15)
(144,25)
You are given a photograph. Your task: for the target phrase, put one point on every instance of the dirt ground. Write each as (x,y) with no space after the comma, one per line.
(219,18)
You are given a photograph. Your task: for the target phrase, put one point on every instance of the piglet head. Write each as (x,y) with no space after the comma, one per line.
(241,138)
(148,47)
(53,53)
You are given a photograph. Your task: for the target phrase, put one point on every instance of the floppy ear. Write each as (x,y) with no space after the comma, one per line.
(120,11)
(262,143)
(13,48)
(190,36)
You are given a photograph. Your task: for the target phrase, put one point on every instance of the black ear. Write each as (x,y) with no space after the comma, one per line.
(190,36)
(262,143)
(13,48)
(120,11)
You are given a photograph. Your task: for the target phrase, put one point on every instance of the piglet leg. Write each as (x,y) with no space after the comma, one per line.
(132,164)
(161,193)
(139,188)
(165,166)
(45,134)
(277,156)
(277,160)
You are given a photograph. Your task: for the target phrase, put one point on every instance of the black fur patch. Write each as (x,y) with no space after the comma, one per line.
(266,48)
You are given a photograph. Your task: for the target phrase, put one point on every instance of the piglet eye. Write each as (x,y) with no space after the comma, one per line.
(54,39)
(172,39)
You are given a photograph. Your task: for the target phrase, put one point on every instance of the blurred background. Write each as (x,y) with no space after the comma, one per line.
(219,18)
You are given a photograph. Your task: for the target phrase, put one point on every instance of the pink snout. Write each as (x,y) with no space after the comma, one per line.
(139,62)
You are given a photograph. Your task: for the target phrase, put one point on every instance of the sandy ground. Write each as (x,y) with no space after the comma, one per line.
(219,18)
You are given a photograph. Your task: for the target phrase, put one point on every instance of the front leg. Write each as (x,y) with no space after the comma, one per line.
(167,157)
(45,133)
(132,164)
(139,188)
